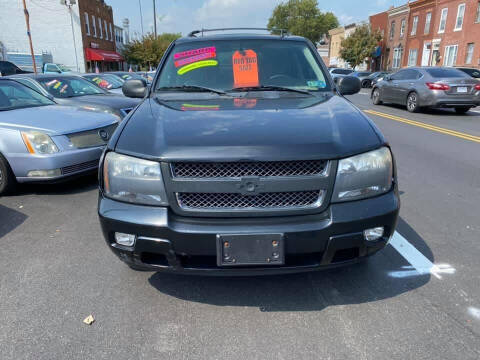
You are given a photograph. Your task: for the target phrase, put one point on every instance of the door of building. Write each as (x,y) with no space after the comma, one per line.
(427,49)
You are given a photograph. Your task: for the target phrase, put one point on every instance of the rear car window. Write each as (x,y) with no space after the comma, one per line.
(342,71)
(231,64)
(446,73)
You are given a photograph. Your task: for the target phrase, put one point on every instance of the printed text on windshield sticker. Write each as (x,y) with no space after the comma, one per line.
(195,58)
(245,69)
(196,65)
(195,52)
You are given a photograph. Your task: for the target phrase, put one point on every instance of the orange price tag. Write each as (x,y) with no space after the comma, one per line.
(245,69)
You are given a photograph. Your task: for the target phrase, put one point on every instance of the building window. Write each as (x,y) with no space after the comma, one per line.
(111,32)
(414,26)
(477,18)
(100,31)
(450,58)
(402,27)
(443,21)
(87,24)
(469,58)
(397,58)
(460,16)
(428,21)
(392,30)
(106,29)
(94,26)
(412,57)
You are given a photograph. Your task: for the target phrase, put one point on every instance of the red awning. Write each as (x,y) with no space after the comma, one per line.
(102,55)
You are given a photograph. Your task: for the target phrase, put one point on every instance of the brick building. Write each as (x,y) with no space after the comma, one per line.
(98,35)
(396,36)
(379,22)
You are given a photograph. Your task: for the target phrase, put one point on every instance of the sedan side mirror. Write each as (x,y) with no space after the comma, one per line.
(349,85)
(135,88)
(387,78)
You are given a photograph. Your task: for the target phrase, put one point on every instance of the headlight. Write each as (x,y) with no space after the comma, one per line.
(364,176)
(38,143)
(133,180)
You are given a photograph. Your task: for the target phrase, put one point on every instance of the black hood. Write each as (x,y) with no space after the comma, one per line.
(297,128)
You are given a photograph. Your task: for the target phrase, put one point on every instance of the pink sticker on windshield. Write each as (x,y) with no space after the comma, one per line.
(195,58)
(195,52)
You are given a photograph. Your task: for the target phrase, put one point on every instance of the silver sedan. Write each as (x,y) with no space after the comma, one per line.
(42,141)
(428,87)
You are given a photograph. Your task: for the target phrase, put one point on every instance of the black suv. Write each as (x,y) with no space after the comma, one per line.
(245,158)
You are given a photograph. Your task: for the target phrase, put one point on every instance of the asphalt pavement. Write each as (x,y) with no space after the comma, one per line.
(417,299)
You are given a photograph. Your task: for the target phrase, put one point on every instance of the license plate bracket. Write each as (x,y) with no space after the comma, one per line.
(462,89)
(250,250)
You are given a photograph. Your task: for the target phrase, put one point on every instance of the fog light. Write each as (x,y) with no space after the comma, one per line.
(125,239)
(45,173)
(373,234)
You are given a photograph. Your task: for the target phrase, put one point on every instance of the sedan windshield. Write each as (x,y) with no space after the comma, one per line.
(105,81)
(67,87)
(242,65)
(14,95)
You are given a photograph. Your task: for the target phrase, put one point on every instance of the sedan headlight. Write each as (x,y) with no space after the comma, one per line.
(363,176)
(39,143)
(134,180)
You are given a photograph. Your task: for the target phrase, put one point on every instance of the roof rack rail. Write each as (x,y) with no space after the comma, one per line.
(283,32)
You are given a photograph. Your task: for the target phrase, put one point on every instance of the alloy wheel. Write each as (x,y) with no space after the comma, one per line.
(412,102)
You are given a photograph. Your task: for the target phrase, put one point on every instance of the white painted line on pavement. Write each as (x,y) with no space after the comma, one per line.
(474,312)
(421,264)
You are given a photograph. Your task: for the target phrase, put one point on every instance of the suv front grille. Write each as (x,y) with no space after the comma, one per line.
(241,169)
(263,201)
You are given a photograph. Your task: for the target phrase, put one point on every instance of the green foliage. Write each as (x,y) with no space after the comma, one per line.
(360,45)
(149,50)
(303,18)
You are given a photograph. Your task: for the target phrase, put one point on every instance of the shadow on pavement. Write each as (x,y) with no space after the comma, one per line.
(430,111)
(383,276)
(75,186)
(10,219)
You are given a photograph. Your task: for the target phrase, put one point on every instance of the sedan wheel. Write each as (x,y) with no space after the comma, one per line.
(376,97)
(412,102)
(7,180)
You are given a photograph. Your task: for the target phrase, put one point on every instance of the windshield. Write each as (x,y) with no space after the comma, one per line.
(128,76)
(66,87)
(239,64)
(446,73)
(63,68)
(105,81)
(16,96)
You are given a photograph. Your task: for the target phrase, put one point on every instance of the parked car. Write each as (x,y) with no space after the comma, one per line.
(50,68)
(475,73)
(43,142)
(362,75)
(429,87)
(74,90)
(338,72)
(107,82)
(234,166)
(373,78)
(9,68)
(125,75)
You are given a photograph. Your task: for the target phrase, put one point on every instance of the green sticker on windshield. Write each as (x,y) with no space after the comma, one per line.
(197,65)
(317,84)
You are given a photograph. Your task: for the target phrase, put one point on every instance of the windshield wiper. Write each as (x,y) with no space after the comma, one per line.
(192,87)
(272,88)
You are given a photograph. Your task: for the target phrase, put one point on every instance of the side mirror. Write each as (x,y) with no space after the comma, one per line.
(387,78)
(134,88)
(349,85)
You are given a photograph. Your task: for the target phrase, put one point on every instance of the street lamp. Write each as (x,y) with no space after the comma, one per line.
(69,4)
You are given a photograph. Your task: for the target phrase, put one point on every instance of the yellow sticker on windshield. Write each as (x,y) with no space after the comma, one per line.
(197,65)
(57,85)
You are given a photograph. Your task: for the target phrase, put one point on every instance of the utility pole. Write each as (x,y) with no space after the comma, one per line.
(141,15)
(27,21)
(69,4)
(154,19)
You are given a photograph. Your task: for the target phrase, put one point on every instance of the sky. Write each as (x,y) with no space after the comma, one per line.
(182,16)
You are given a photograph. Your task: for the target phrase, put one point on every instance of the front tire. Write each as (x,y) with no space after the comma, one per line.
(462,109)
(366,84)
(376,98)
(7,180)
(412,102)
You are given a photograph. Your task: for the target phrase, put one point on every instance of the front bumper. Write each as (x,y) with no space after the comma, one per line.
(168,242)
(72,163)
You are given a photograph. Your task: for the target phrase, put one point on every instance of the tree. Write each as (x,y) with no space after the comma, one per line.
(303,18)
(149,50)
(360,45)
